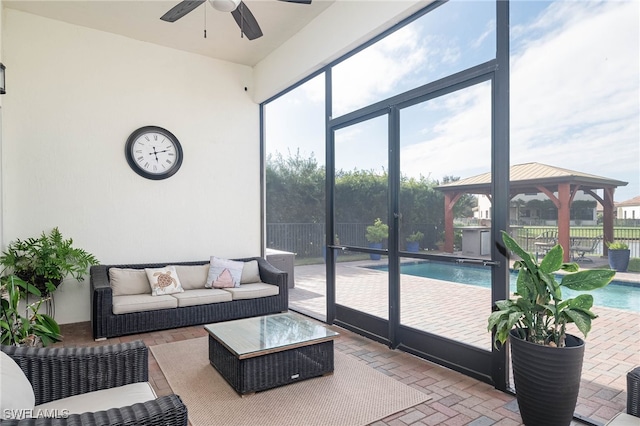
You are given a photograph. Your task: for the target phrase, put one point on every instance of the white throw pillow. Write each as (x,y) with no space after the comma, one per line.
(224,273)
(250,272)
(16,393)
(164,280)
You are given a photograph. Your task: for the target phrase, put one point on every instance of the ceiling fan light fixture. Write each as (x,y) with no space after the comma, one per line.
(225,5)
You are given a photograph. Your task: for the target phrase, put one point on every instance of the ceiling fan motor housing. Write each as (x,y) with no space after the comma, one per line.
(225,5)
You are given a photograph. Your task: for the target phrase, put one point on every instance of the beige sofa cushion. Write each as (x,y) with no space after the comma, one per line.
(253,291)
(202,297)
(250,272)
(142,302)
(16,393)
(121,396)
(193,276)
(126,281)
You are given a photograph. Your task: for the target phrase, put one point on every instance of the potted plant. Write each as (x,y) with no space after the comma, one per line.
(46,260)
(33,329)
(413,241)
(619,254)
(546,360)
(376,233)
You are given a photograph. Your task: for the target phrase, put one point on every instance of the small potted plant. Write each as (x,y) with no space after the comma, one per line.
(376,234)
(619,255)
(546,360)
(46,260)
(413,241)
(32,329)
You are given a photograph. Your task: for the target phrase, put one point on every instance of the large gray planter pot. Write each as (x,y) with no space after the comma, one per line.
(619,259)
(375,256)
(547,380)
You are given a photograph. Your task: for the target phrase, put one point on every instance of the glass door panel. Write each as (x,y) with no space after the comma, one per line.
(295,193)
(361,199)
(444,200)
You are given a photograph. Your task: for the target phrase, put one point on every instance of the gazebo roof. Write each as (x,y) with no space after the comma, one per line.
(528,177)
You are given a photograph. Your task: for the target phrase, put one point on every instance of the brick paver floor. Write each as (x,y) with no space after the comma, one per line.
(613,348)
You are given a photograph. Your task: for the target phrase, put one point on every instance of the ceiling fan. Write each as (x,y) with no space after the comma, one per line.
(240,12)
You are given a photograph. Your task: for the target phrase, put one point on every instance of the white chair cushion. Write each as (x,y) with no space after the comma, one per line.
(91,402)
(142,302)
(624,419)
(250,272)
(253,291)
(125,281)
(193,276)
(202,297)
(16,393)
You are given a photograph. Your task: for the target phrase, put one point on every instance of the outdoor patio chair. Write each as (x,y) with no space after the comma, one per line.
(631,417)
(105,385)
(545,242)
(580,247)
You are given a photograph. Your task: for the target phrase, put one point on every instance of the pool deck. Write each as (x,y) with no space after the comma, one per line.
(612,346)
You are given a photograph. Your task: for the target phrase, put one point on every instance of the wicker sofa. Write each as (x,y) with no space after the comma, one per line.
(105,323)
(94,380)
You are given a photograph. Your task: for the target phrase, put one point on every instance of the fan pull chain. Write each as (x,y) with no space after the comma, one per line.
(205,21)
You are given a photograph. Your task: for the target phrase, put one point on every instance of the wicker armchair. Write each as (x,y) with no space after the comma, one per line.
(630,418)
(56,373)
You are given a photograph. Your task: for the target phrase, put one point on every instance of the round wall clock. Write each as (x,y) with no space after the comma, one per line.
(153,152)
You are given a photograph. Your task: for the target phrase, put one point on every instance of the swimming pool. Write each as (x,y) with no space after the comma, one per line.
(618,294)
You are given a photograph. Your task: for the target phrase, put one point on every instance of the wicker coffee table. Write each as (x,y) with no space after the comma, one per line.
(255,354)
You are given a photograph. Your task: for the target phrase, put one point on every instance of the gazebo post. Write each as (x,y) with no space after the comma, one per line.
(607,219)
(450,199)
(564,218)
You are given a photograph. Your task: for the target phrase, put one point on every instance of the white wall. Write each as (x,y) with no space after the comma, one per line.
(343,26)
(75,96)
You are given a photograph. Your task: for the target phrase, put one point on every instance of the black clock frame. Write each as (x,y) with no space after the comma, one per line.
(134,165)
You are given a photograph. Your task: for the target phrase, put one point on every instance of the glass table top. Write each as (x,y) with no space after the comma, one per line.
(249,337)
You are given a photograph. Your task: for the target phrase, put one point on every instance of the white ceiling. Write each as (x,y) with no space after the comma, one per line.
(140,20)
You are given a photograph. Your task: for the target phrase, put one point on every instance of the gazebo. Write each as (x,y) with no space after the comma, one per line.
(560,185)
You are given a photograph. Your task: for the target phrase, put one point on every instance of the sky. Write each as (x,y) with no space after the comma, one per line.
(574,95)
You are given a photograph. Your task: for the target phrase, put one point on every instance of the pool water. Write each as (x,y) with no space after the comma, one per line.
(617,294)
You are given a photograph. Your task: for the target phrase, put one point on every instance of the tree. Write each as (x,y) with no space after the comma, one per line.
(294,189)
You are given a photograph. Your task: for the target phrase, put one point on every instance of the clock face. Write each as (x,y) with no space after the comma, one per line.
(153,152)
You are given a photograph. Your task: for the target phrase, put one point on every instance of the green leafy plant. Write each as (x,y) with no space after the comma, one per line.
(46,260)
(539,314)
(415,237)
(634,264)
(377,232)
(33,327)
(617,245)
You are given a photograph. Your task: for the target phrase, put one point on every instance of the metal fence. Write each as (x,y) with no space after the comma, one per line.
(581,236)
(308,239)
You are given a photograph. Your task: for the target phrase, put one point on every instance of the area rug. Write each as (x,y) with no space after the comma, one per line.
(355,394)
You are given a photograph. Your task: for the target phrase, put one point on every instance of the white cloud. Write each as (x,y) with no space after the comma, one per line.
(357,82)
(575,91)
(574,100)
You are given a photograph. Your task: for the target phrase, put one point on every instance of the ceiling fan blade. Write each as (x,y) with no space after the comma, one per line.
(247,22)
(181,9)
(298,1)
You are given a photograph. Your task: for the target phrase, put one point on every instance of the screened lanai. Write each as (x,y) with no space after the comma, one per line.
(559,184)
